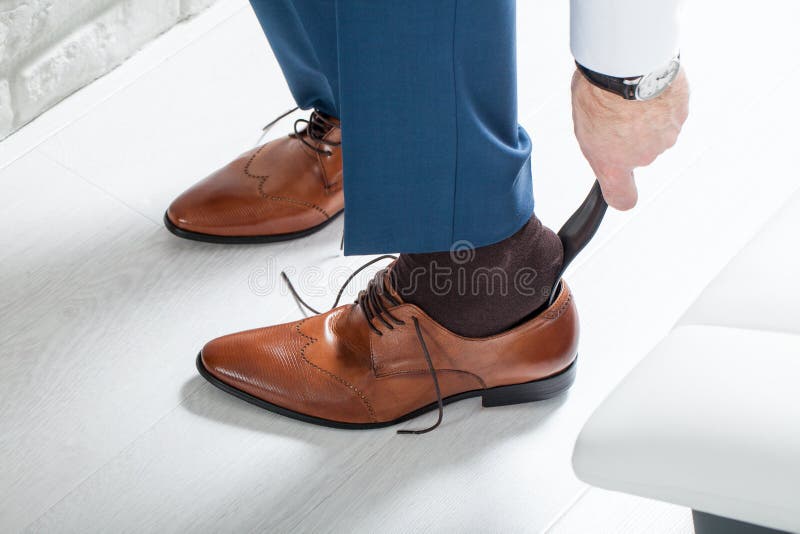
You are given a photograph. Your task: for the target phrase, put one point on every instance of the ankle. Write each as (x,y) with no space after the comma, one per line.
(486,290)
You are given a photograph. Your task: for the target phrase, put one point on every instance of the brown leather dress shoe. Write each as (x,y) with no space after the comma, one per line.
(381,361)
(288,188)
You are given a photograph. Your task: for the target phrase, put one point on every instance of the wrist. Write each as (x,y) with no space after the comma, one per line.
(642,88)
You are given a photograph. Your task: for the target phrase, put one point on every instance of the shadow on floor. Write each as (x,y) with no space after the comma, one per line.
(468,432)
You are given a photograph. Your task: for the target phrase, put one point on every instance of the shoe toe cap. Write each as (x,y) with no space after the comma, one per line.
(237,360)
(266,363)
(198,210)
(270,364)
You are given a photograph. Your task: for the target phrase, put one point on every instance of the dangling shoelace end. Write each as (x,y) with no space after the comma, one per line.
(302,304)
(432,369)
(265,130)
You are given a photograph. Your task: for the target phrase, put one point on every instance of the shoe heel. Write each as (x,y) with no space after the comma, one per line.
(534,390)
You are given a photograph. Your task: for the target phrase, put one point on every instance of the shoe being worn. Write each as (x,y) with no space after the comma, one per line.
(381,361)
(288,188)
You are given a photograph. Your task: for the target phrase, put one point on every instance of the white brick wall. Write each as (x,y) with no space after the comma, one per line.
(50,48)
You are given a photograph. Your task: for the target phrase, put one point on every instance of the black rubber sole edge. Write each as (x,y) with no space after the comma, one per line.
(536,390)
(244,239)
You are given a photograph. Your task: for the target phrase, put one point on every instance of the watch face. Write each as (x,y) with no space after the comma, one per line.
(656,82)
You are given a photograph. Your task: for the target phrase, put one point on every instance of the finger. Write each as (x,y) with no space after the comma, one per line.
(619,187)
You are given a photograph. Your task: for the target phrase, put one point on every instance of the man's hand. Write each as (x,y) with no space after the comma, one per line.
(618,135)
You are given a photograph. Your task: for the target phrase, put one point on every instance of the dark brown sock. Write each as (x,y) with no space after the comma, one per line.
(478,292)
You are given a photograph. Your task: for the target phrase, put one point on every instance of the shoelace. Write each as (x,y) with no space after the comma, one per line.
(316,128)
(372,301)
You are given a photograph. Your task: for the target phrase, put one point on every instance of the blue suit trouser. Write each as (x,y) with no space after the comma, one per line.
(426,92)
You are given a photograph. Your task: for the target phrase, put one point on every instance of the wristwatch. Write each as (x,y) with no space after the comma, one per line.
(644,87)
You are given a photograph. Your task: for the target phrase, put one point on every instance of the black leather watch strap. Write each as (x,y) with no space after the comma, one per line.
(610,83)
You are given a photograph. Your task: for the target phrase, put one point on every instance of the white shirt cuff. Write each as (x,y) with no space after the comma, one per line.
(624,38)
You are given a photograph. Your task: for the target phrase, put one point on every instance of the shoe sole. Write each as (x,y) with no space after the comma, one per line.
(244,239)
(535,390)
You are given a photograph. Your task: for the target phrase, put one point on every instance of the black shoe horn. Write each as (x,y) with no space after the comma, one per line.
(579,230)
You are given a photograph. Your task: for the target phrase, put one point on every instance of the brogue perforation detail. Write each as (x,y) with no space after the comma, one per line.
(294,201)
(262,178)
(250,162)
(311,341)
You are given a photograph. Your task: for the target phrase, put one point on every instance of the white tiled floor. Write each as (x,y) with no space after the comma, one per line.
(106,425)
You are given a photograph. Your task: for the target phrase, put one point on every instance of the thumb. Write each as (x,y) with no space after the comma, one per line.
(619,187)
